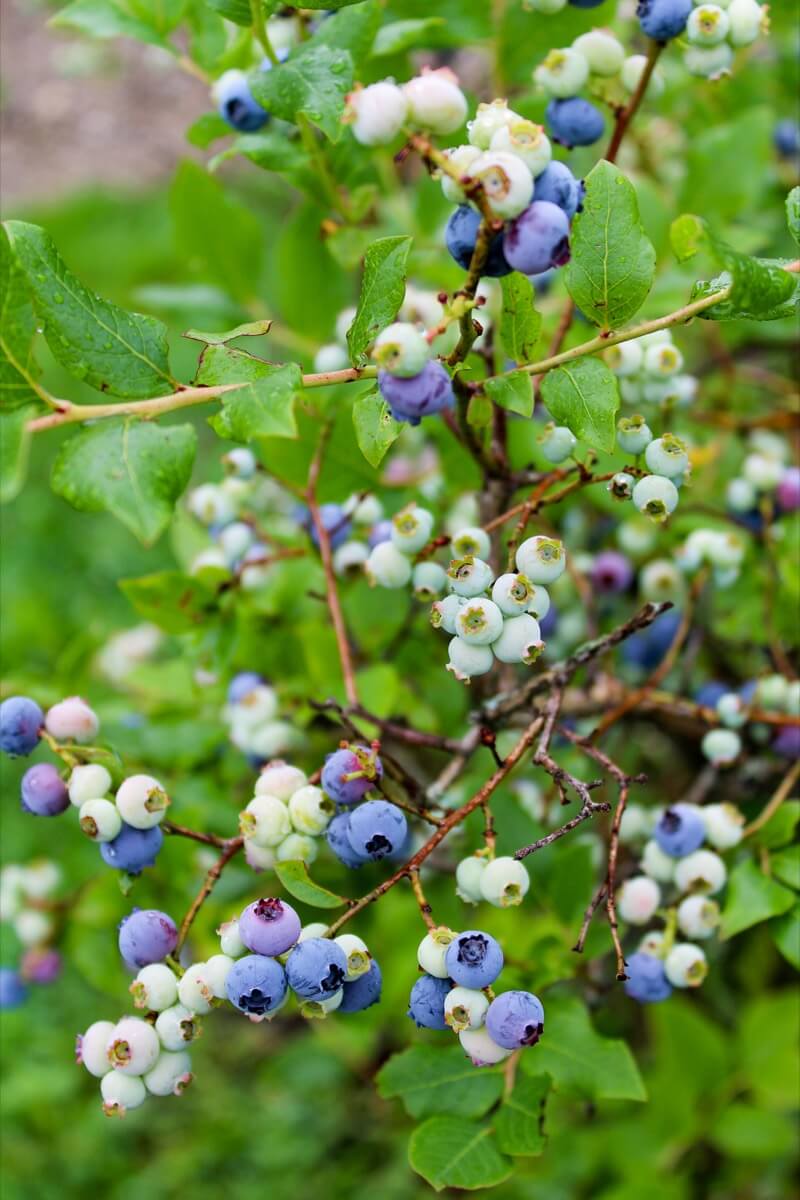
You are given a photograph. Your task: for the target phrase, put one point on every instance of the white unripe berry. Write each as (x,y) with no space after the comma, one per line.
(746,19)
(311,810)
(154,988)
(698,916)
(132,1046)
(176,1027)
(655,497)
(211,505)
(732,710)
(32,927)
(703,871)
(638,899)
(466,659)
(445,611)
(378,113)
(171,1075)
(636,823)
(90,1048)
(633,434)
(471,542)
(656,863)
(527,141)
(428,579)
(297,846)
(541,559)
(100,820)
(478,1046)
(506,180)
(652,943)
(487,121)
(631,74)
(401,350)
(721,746)
(435,101)
(708,62)
(194,989)
(667,456)
(625,358)
(520,640)
(359,959)
(265,821)
(685,965)
(460,159)
(72,720)
(468,879)
(89,782)
(563,73)
(469,576)
(479,622)
(432,950)
(604,54)
(281,780)
(142,801)
(505,882)
(411,529)
(121,1093)
(465,1008)
(386,567)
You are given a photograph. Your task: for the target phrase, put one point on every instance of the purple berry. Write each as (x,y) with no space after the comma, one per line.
(646,980)
(574,122)
(362,992)
(663,19)
(426,1002)
(315,968)
(359,762)
(133,849)
(788,491)
(538,239)
(515,1019)
(787,742)
(335,522)
(380,532)
(377,829)
(146,936)
(21,721)
(13,992)
(462,233)
(44,792)
(41,966)
(680,831)
(611,572)
(338,838)
(268,926)
(559,186)
(474,959)
(420,396)
(256,984)
(242,685)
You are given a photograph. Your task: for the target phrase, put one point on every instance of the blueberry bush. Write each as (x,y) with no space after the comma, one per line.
(471,320)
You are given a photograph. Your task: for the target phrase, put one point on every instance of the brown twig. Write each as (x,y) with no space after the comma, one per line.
(422,903)
(232,847)
(771,807)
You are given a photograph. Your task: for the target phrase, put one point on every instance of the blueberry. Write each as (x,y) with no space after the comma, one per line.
(681,830)
(611,572)
(316,968)
(460,236)
(235,103)
(41,965)
(647,648)
(357,761)
(515,1019)
(338,837)
(585,3)
(574,122)
(426,1002)
(538,239)
(646,980)
(13,992)
(44,792)
(362,992)
(256,984)
(380,532)
(787,742)
(710,693)
(412,399)
(786,138)
(269,926)
(474,959)
(663,19)
(21,720)
(133,849)
(377,829)
(147,936)
(242,685)
(558,185)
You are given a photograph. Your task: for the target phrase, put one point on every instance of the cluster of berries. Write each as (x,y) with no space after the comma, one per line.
(27,904)
(455,992)
(232,94)
(285,817)
(251,716)
(714,31)
(362,830)
(593,58)
(765,475)
(774,693)
(666,458)
(648,371)
(504,881)
(673,858)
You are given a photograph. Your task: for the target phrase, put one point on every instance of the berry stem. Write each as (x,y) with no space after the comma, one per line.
(783,790)
(424,906)
(231,848)
(627,114)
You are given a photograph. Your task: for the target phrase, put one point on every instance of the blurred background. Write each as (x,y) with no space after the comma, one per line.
(92,135)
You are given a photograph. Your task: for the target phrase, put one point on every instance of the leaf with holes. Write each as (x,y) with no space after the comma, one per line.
(584,396)
(133,469)
(520,323)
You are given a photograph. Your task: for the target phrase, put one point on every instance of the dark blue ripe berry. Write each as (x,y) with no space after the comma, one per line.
(663,19)
(21,719)
(786,138)
(574,121)
(316,969)
(646,980)
(236,105)
(426,1002)
(338,837)
(680,831)
(377,829)
(461,235)
(133,849)
(412,399)
(558,185)
(362,992)
(256,984)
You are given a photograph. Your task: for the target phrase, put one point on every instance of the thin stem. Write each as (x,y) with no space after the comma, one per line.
(231,848)
(771,807)
(422,903)
(260,31)
(208,839)
(320,163)
(627,114)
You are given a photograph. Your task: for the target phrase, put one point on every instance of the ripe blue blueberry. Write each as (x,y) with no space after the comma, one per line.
(412,399)
(338,837)
(663,19)
(515,1019)
(381,532)
(559,186)
(349,773)
(256,984)
(647,648)
(786,138)
(363,991)
(585,3)
(269,926)
(235,103)
(460,236)
(43,791)
(146,936)
(426,1002)
(316,968)
(710,693)
(646,980)
(377,829)
(13,992)
(133,849)
(242,685)
(681,830)
(538,239)
(474,959)
(574,122)
(21,720)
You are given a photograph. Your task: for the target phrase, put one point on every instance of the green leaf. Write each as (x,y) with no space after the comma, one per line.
(768,1047)
(784,935)
(520,323)
(584,396)
(237,11)
(752,897)
(761,290)
(432,1079)
(375,426)
(580,1060)
(779,829)
(513,391)
(353,30)
(518,1124)
(793,213)
(273,151)
(171,600)
(404,35)
(450,1152)
(744,1131)
(18,367)
(313,83)
(479,411)
(207,129)
(133,469)
(122,353)
(263,406)
(250,329)
(294,876)
(383,287)
(785,866)
(109,19)
(216,231)
(613,261)
(14,447)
